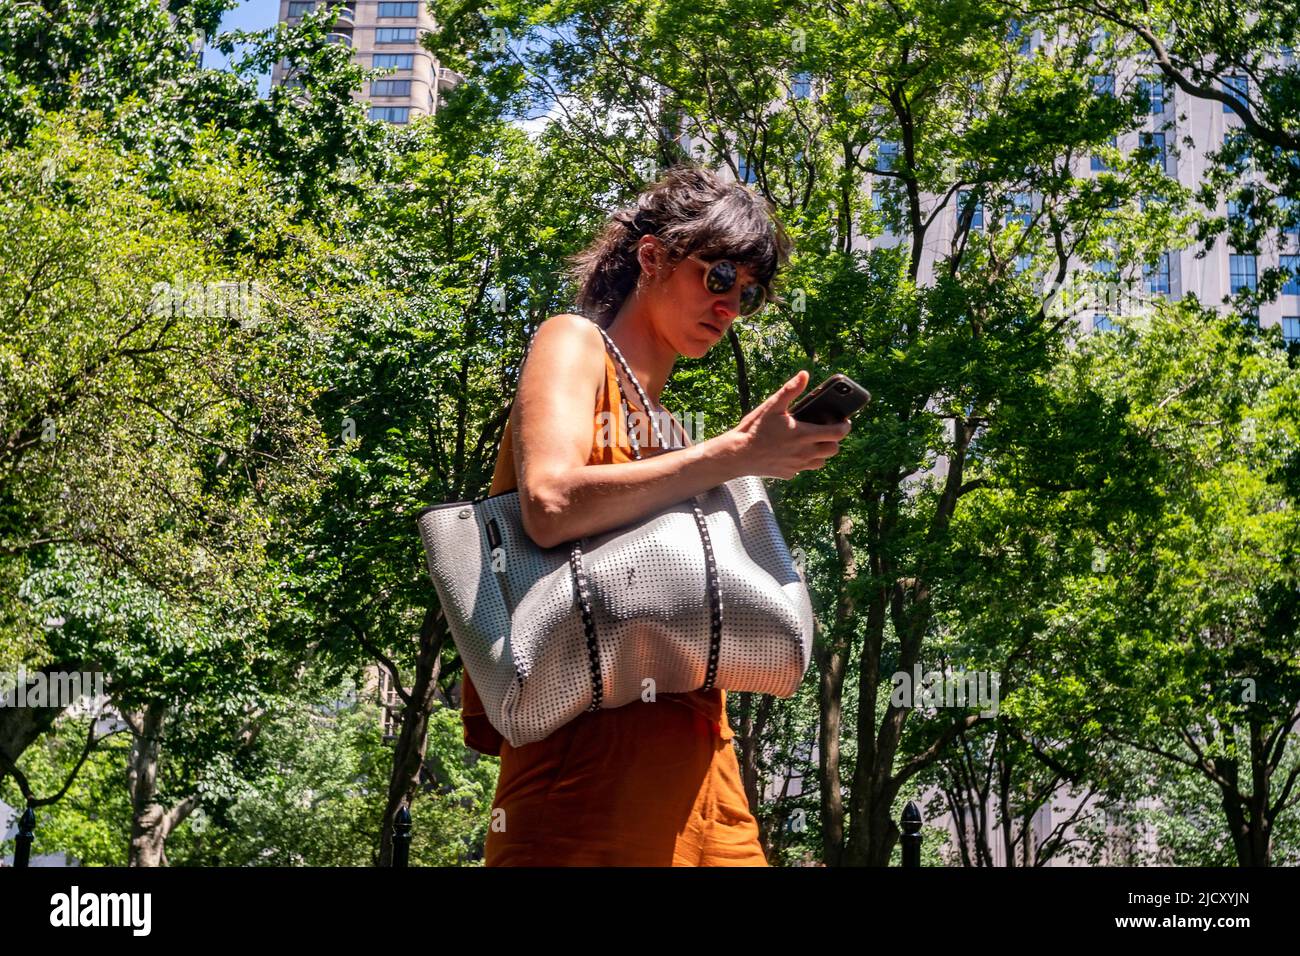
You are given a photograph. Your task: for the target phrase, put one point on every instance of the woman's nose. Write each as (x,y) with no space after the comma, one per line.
(728,306)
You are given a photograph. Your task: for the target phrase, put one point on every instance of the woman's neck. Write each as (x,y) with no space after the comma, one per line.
(648,355)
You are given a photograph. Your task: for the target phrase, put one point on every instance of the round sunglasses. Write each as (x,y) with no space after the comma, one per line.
(721,275)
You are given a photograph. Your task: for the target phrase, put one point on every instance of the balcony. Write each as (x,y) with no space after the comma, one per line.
(344,38)
(447,79)
(346,14)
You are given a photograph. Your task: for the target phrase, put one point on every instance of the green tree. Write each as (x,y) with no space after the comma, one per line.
(1172,630)
(1242,56)
(158,434)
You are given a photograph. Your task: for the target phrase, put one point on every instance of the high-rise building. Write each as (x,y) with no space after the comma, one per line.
(1177,136)
(383,35)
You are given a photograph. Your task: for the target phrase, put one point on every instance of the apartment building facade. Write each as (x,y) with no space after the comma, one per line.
(382,35)
(1181,132)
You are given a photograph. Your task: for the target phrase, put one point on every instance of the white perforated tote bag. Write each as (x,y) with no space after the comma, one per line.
(701,594)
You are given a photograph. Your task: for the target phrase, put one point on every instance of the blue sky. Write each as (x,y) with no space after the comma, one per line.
(249,15)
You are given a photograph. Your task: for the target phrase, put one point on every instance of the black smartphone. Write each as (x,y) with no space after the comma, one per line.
(834,400)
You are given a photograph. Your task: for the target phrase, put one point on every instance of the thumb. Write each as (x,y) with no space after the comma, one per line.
(786,393)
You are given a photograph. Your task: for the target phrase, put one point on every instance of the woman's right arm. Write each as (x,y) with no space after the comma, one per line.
(562,497)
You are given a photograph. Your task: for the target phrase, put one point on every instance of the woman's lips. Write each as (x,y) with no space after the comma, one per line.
(712,328)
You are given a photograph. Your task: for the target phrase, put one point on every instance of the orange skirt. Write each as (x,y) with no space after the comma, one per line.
(645,784)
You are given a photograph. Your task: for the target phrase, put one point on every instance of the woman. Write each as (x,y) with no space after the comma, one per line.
(651,783)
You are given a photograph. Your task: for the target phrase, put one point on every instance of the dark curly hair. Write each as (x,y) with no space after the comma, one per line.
(693,211)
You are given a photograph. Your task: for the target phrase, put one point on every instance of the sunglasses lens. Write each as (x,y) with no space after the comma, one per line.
(720,277)
(751,299)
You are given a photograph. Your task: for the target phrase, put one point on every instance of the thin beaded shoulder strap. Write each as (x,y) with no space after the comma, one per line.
(645,401)
(710,562)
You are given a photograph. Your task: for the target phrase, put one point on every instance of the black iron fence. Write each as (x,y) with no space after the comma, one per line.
(910,825)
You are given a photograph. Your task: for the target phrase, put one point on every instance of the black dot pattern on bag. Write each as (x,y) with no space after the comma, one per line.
(645,593)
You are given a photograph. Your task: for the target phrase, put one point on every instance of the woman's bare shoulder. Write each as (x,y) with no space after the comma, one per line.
(573,323)
(573,337)
(570,350)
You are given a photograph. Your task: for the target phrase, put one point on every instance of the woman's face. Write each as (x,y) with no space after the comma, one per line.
(687,313)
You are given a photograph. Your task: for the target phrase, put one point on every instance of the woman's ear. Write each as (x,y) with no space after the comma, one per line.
(649,254)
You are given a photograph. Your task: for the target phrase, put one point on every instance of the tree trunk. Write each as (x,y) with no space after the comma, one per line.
(20,727)
(413,738)
(151,823)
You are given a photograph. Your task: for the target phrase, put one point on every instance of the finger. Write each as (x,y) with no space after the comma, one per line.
(783,396)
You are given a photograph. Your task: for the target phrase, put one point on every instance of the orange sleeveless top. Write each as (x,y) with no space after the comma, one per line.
(478,730)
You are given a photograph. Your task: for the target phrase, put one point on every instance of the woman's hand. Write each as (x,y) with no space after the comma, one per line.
(775,445)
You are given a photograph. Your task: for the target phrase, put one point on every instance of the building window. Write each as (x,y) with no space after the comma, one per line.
(1291,328)
(390,88)
(1022,209)
(399,9)
(389,703)
(1016,31)
(298,9)
(1105,292)
(394,34)
(977,217)
(1104,85)
(1236,142)
(1241,211)
(1099,164)
(1155,90)
(1155,141)
(1288,208)
(390,114)
(1101,322)
(1023,262)
(400,61)
(886,155)
(746,171)
(1292,265)
(1236,86)
(1157,276)
(1241,273)
(801,88)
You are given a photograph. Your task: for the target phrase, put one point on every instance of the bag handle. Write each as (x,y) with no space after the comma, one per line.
(710,562)
(645,401)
